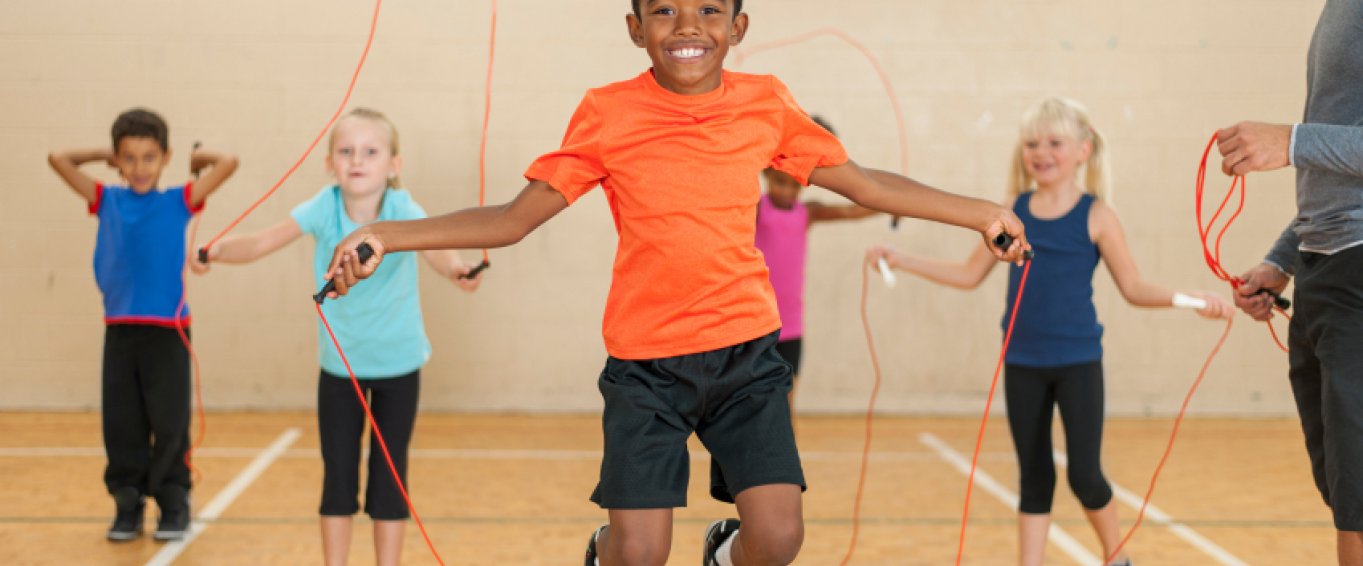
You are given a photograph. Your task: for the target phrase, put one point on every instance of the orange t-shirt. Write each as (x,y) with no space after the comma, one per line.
(681,176)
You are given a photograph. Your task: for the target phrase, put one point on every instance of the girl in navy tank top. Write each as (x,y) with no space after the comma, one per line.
(1055,358)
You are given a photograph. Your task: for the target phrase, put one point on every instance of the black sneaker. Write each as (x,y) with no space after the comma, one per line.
(591,546)
(173,523)
(718,532)
(130,509)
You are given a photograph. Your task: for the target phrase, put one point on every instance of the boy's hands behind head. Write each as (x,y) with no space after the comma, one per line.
(1005,222)
(198,160)
(345,269)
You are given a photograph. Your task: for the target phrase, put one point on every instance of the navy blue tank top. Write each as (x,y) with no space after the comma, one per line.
(1057,324)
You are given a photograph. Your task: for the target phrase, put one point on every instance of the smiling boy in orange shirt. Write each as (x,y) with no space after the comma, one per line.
(691,320)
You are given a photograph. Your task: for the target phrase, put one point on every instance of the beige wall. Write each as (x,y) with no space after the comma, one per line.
(260,77)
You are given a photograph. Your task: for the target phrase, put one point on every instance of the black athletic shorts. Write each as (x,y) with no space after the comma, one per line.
(792,350)
(733,398)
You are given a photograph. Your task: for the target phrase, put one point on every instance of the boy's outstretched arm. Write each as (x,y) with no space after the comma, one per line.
(902,196)
(471,228)
(67,165)
(820,212)
(221,166)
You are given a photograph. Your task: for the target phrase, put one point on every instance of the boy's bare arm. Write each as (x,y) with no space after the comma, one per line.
(220,167)
(820,212)
(67,165)
(902,196)
(471,228)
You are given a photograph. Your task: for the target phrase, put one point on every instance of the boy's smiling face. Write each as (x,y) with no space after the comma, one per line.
(687,40)
(139,161)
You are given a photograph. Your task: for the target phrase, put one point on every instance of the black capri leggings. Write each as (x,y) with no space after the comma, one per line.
(1032,394)
(341,422)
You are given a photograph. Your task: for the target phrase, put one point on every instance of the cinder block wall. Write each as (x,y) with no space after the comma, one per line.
(259,78)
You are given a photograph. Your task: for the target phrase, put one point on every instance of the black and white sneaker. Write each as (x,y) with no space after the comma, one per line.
(174,520)
(718,532)
(130,509)
(173,524)
(591,546)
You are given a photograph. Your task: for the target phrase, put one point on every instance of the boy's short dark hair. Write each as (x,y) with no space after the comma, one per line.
(141,123)
(738,7)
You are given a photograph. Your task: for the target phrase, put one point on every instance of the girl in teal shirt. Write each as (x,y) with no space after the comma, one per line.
(380,326)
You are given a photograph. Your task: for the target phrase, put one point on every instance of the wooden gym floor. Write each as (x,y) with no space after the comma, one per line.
(500,490)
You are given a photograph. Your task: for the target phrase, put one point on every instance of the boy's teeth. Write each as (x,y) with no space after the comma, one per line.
(688,52)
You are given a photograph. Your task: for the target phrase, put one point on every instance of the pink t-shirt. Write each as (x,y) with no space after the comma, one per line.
(782,236)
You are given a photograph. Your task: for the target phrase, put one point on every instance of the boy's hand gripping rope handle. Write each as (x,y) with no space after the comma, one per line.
(365,252)
(1004,240)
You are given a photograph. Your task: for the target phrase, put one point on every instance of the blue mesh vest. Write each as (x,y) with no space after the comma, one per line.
(1057,324)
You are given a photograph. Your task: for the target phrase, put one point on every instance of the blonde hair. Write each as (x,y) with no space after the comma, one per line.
(1065,117)
(380,119)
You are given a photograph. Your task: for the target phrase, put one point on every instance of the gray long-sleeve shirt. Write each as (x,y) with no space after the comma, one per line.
(1327,147)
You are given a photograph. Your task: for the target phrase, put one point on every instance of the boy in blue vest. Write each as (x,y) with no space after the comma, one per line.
(139,260)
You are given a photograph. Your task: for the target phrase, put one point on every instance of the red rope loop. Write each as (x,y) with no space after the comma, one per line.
(984,419)
(870,416)
(487,115)
(1212,253)
(354,77)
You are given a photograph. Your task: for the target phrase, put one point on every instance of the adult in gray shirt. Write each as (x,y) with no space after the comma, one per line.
(1321,248)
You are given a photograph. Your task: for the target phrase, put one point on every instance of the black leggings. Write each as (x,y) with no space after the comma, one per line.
(341,422)
(1032,395)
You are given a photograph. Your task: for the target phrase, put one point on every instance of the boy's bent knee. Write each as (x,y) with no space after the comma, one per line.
(627,546)
(772,544)
(640,554)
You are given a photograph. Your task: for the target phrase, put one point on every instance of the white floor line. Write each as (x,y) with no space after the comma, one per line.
(1158,516)
(475,454)
(984,481)
(214,509)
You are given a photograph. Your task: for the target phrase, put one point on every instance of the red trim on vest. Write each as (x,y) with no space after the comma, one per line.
(147,321)
(99,198)
(189,199)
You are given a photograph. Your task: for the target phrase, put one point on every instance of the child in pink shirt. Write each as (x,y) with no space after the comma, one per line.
(783,222)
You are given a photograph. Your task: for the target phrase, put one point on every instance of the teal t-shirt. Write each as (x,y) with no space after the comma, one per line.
(379,323)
